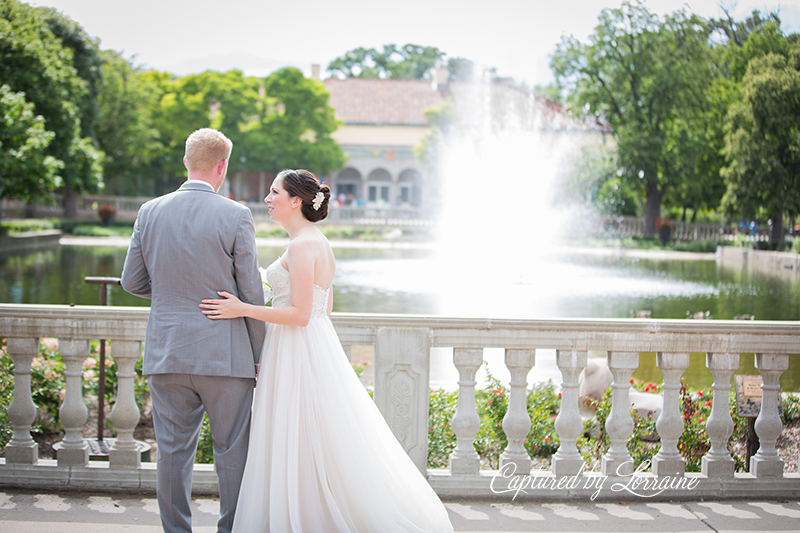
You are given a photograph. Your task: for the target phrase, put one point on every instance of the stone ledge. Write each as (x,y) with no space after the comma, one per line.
(33,239)
(46,474)
(98,476)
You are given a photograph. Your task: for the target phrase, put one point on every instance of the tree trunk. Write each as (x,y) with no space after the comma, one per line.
(776,236)
(70,204)
(652,209)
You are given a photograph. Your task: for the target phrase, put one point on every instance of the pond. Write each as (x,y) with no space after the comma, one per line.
(414,280)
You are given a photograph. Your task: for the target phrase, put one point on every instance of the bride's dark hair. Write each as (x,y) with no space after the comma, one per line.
(305,185)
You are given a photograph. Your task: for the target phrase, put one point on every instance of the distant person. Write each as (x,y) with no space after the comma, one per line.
(322,458)
(187,245)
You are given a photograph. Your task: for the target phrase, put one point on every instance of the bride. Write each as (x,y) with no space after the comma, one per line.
(321,457)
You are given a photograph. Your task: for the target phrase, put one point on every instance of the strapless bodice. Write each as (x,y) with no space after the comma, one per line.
(278,279)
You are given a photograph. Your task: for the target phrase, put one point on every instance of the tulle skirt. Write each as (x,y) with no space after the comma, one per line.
(321,457)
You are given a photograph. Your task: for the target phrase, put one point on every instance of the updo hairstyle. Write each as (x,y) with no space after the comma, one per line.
(305,185)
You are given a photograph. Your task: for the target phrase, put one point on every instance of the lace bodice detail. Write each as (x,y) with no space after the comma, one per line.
(278,279)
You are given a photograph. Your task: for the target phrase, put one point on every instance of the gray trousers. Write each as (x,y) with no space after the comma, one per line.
(179,401)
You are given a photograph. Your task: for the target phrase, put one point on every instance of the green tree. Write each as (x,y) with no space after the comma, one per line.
(295,130)
(282,121)
(756,36)
(763,141)
(443,120)
(36,63)
(408,62)
(87,62)
(26,171)
(124,128)
(648,79)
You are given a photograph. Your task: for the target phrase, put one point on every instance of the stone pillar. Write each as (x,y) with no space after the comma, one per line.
(465,422)
(237,187)
(125,414)
(569,425)
(517,422)
(668,460)
(619,425)
(262,186)
(22,448)
(766,462)
(718,461)
(74,450)
(402,368)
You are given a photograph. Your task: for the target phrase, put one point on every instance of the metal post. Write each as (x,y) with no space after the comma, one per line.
(101,394)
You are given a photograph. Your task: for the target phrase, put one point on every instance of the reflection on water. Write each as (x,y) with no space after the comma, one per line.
(560,286)
(411,281)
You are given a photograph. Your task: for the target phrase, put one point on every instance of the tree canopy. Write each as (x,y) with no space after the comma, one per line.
(26,171)
(763,141)
(75,115)
(647,78)
(38,65)
(407,62)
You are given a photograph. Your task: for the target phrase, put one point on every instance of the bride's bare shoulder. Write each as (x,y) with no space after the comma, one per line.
(310,242)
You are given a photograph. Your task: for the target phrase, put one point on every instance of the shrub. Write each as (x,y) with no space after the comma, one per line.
(15,227)
(491,403)
(700,246)
(92,231)
(692,444)
(205,446)
(6,392)
(47,384)
(441,439)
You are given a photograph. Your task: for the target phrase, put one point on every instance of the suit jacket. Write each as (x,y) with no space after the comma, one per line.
(186,246)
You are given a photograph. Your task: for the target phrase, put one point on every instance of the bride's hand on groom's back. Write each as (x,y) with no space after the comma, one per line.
(229,307)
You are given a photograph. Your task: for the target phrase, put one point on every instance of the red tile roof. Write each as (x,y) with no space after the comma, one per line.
(376,101)
(404,102)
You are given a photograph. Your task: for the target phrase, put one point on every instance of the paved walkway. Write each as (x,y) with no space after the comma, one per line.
(72,512)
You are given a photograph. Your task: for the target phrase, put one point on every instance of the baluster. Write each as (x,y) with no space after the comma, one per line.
(766,462)
(465,422)
(619,425)
(517,422)
(718,461)
(74,451)
(22,411)
(668,460)
(569,425)
(125,414)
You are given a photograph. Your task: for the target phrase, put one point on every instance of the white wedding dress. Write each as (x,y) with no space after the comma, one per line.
(321,457)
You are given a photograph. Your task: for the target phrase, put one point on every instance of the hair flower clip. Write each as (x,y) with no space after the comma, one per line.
(318,199)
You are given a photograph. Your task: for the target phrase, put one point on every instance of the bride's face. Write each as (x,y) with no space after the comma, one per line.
(279,203)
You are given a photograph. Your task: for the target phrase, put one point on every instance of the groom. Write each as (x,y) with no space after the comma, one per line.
(186,246)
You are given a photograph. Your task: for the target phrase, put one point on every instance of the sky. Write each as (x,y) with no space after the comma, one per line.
(260,36)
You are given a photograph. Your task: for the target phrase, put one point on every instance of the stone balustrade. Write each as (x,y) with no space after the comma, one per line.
(402,346)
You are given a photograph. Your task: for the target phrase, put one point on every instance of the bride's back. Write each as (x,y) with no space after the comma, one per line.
(314,243)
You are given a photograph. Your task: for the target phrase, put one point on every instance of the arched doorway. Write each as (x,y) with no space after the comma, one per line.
(348,186)
(379,187)
(409,188)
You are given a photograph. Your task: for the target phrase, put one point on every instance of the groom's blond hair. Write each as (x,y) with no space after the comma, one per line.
(205,148)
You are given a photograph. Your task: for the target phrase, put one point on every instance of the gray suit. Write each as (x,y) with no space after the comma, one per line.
(186,246)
